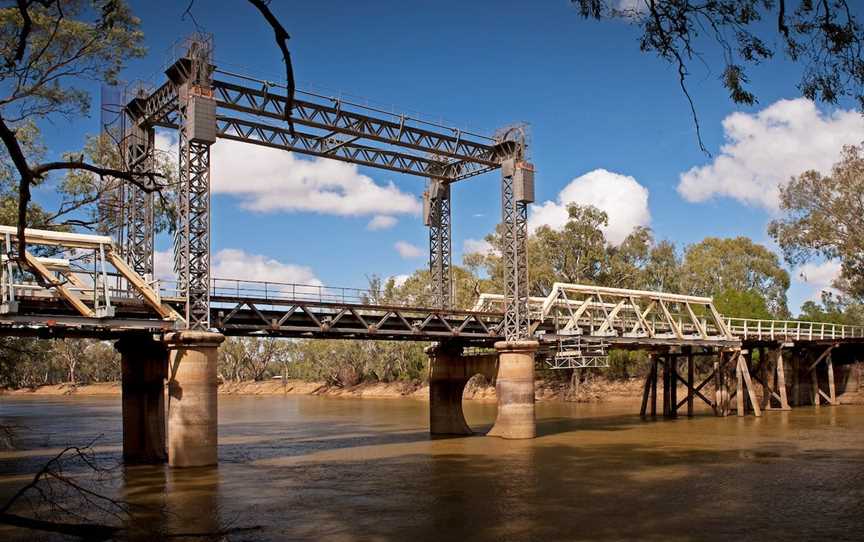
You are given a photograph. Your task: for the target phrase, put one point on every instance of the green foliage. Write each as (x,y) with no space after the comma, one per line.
(715,266)
(335,362)
(824,216)
(833,309)
(624,364)
(416,290)
(28,362)
(70,44)
(71,41)
(742,304)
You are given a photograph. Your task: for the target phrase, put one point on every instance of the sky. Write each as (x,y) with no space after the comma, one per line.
(608,126)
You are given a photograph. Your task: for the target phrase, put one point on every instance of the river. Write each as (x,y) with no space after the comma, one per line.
(298,467)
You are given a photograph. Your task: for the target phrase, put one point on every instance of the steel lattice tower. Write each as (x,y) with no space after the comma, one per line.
(139,203)
(440,256)
(197,132)
(514,218)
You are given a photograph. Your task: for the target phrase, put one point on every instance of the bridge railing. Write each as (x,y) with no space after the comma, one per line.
(284,291)
(280,292)
(752,328)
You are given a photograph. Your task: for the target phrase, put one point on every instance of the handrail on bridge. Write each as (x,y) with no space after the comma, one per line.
(763,329)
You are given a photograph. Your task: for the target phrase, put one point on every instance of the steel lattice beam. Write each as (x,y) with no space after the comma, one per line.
(330,147)
(334,118)
(459,156)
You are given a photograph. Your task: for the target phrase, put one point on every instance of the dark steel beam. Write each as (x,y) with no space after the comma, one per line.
(334,118)
(330,147)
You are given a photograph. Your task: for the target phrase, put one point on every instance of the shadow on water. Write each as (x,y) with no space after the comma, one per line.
(367,470)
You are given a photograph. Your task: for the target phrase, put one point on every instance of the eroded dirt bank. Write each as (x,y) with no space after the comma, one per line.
(597,390)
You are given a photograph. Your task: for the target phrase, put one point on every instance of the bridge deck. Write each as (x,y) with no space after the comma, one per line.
(110,299)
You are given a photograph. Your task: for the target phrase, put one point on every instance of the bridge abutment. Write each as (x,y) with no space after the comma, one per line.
(144,366)
(192,398)
(515,390)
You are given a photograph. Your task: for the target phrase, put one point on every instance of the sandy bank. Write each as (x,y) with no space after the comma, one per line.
(596,391)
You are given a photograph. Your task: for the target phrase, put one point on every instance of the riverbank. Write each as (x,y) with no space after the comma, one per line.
(597,390)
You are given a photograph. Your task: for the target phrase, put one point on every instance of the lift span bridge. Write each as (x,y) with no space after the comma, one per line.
(77,285)
(74,293)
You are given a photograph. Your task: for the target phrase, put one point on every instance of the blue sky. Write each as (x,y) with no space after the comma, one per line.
(592,100)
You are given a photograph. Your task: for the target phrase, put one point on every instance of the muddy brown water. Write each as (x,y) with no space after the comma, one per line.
(298,468)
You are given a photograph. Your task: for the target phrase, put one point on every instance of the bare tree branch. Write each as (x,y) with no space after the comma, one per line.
(281,36)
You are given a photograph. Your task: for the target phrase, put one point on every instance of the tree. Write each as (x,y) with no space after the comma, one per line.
(417,289)
(742,304)
(715,266)
(49,49)
(823,36)
(251,358)
(833,309)
(663,269)
(824,216)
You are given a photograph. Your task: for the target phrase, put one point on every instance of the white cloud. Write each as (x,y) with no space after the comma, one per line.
(231,263)
(623,199)
(381,222)
(407,251)
(269,180)
(820,276)
(399,280)
(766,149)
(272,180)
(476,246)
(163,265)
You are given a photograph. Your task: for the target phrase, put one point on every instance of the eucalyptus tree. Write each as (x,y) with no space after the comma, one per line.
(823,217)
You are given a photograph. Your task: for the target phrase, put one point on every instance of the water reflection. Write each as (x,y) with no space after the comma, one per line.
(341,469)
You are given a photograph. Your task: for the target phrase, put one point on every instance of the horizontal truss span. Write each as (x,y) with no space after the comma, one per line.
(257,308)
(332,117)
(345,320)
(344,133)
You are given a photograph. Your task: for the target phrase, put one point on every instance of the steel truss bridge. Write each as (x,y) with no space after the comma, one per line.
(204,103)
(75,293)
(102,286)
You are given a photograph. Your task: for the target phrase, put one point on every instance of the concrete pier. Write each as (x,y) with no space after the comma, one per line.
(449,371)
(144,366)
(192,399)
(515,390)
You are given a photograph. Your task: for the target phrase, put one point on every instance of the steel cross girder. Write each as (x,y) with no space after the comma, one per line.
(334,118)
(154,109)
(463,157)
(331,147)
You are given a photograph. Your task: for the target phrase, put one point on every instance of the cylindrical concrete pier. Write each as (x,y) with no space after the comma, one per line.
(144,366)
(447,381)
(192,400)
(515,390)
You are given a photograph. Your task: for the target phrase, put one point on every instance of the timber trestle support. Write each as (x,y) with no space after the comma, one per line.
(665,368)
